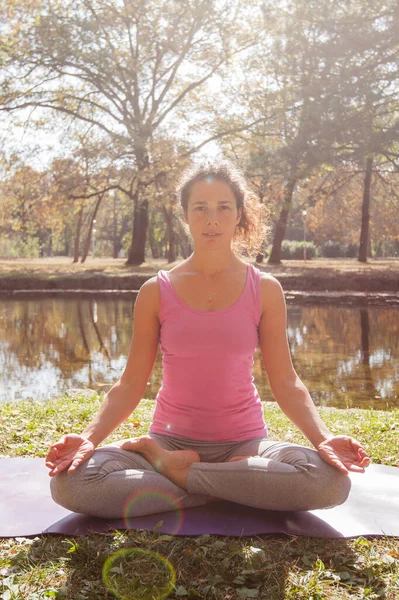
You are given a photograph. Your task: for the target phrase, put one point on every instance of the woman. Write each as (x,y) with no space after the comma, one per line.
(208,438)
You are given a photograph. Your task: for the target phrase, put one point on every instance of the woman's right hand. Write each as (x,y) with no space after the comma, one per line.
(71,451)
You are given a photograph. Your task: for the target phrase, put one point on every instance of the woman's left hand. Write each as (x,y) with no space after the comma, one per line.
(345,453)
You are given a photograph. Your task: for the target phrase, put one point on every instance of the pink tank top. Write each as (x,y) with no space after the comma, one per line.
(207,392)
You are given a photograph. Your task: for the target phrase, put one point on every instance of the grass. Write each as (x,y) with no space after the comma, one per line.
(148,565)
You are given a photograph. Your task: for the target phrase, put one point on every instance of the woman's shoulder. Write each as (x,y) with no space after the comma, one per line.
(150,290)
(268,280)
(270,289)
(150,285)
(150,294)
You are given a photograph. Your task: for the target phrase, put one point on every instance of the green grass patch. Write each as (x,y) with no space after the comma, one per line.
(28,428)
(210,567)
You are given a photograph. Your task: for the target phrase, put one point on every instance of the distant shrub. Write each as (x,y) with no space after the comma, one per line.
(333,249)
(293,250)
(17,248)
(386,248)
(352,250)
(28,249)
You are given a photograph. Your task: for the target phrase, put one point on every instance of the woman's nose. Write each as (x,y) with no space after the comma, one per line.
(212,217)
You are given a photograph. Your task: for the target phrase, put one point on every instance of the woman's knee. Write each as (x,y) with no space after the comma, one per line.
(327,486)
(62,492)
(71,490)
(337,487)
(332,487)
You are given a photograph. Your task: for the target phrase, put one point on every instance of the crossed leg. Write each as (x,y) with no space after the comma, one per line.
(142,477)
(263,474)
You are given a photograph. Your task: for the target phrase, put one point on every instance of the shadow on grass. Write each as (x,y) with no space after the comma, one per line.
(266,567)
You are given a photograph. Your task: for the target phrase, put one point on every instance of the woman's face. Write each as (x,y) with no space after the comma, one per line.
(212,213)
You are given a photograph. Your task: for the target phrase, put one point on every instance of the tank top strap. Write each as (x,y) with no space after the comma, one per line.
(168,298)
(252,296)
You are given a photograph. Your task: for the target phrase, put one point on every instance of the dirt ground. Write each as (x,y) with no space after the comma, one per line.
(117,266)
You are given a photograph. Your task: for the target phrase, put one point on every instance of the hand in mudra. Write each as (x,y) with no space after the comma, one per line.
(345,453)
(71,451)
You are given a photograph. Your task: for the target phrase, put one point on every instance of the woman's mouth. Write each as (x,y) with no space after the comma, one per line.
(212,235)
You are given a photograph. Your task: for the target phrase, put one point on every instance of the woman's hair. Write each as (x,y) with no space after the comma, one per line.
(251,230)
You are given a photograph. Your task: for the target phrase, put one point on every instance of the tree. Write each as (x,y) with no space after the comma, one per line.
(82,181)
(122,67)
(334,198)
(26,215)
(317,63)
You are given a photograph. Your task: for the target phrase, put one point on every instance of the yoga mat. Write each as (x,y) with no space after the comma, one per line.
(372,508)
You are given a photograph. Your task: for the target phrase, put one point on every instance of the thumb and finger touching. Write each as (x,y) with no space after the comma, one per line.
(345,453)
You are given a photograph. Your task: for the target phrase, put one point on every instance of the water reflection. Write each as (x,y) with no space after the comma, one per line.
(347,357)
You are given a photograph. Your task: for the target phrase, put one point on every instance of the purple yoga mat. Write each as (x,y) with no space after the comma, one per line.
(26,509)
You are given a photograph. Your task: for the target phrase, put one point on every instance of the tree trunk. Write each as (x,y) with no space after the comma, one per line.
(77,236)
(279,234)
(67,240)
(92,219)
(171,256)
(136,254)
(117,237)
(115,245)
(364,234)
(152,242)
(171,248)
(184,244)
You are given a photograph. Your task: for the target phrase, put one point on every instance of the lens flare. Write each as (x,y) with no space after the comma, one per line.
(137,574)
(161,501)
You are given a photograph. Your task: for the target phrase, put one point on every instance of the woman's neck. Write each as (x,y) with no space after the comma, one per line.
(211,264)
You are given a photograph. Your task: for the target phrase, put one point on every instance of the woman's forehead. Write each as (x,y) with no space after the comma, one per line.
(210,188)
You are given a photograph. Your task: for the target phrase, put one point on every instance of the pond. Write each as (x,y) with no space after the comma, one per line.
(347,357)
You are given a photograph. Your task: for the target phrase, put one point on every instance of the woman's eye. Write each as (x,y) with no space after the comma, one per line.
(204,208)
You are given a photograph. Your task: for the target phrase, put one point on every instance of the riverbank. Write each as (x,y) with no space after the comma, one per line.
(214,567)
(105,275)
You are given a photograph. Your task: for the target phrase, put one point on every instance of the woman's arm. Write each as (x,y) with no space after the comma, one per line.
(288,390)
(125,394)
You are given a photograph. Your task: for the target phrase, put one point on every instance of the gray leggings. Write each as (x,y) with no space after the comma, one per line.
(119,483)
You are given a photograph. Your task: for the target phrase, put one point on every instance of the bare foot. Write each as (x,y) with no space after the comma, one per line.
(174,464)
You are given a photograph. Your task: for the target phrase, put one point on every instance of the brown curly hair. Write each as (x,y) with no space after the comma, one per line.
(251,231)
